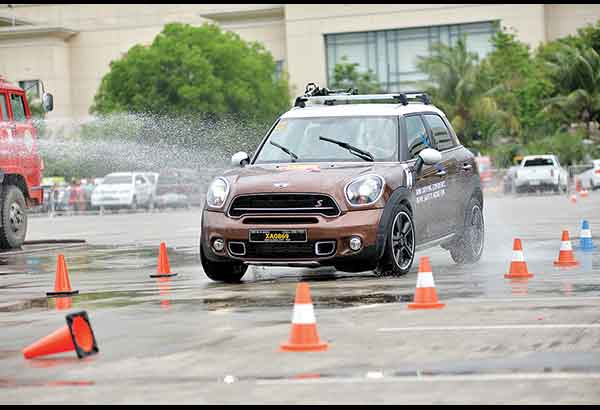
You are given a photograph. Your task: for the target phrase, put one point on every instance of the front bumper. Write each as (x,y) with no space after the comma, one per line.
(338,230)
(111,200)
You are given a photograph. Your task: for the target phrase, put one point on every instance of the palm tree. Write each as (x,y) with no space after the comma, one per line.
(456,89)
(577,74)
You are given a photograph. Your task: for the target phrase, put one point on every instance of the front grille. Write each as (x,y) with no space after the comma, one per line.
(283,204)
(280,221)
(280,250)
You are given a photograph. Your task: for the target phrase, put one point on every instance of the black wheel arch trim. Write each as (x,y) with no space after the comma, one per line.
(401,194)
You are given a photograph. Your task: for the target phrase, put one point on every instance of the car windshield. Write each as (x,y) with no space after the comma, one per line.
(117,179)
(377,136)
(538,162)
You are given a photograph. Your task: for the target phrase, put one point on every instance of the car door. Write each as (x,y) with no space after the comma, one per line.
(428,184)
(142,188)
(6,130)
(446,204)
(24,133)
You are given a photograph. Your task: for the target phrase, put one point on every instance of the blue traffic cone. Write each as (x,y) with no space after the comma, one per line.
(585,238)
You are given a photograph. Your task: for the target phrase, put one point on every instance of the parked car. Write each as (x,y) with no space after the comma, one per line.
(358,182)
(590,179)
(541,173)
(123,190)
(178,188)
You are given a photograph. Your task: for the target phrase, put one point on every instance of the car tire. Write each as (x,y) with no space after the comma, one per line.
(228,272)
(13,214)
(468,248)
(399,252)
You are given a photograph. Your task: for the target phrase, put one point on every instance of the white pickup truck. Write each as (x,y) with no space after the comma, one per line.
(541,173)
(590,179)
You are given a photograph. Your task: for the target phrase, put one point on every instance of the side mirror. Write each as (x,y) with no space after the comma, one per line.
(48,102)
(428,156)
(240,159)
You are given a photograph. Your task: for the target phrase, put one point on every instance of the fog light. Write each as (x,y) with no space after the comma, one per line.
(355,243)
(218,245)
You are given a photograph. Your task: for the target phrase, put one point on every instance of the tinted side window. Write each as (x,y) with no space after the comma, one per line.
(18,108)
(416,135)
(3,108)
(441,135)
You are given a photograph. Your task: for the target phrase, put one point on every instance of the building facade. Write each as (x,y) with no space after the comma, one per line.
(67,48)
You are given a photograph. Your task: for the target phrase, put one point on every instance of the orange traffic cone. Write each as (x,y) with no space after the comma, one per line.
(163,268)
(304,336)
(584,193)
(518,266)
(62,284)
(577,185)
(76,335)
(425,294)
(565,255)
(574,199)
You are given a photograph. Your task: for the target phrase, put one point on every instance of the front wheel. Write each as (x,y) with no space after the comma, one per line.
(228,272)
(469,246)
(13,214)
(400,244)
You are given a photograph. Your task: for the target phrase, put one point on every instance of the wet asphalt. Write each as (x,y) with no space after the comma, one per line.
(189,340)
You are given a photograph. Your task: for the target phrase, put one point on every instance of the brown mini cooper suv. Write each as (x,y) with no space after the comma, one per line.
(358,182)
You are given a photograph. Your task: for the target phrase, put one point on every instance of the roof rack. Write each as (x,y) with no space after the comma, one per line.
(316,95)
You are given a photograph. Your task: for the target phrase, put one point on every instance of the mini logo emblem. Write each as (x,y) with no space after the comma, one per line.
(280,184)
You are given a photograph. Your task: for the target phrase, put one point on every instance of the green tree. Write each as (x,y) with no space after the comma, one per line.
(455,86)
(576,73)
(346,75)
(191,70)
(518,83)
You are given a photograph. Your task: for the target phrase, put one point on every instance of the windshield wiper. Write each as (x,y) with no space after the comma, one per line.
(284,149)
(366,155)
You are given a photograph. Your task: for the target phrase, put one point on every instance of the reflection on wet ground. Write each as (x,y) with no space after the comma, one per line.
(113,276)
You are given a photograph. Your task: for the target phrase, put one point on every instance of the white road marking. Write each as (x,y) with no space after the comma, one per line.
(492,327)
(432,378)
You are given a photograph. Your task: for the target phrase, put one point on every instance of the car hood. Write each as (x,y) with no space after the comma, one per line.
(327,178)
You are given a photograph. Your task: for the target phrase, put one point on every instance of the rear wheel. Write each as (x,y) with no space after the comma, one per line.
(228,272)
(400,244)
(13,215)
(469,246)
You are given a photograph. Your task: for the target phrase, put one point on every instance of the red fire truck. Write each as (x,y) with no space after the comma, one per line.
(20,163)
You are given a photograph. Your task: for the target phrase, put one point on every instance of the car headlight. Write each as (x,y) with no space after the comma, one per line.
(217,193)
(365,190)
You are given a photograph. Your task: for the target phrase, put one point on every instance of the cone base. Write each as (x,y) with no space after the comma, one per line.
(566,264)
(518,276)
(310,347)
(59,294)
(426,305)
(163,275)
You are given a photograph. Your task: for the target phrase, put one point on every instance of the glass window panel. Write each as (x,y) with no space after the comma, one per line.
(3,108)
(441,135)
(416,135)
(392,54)
(18,108)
